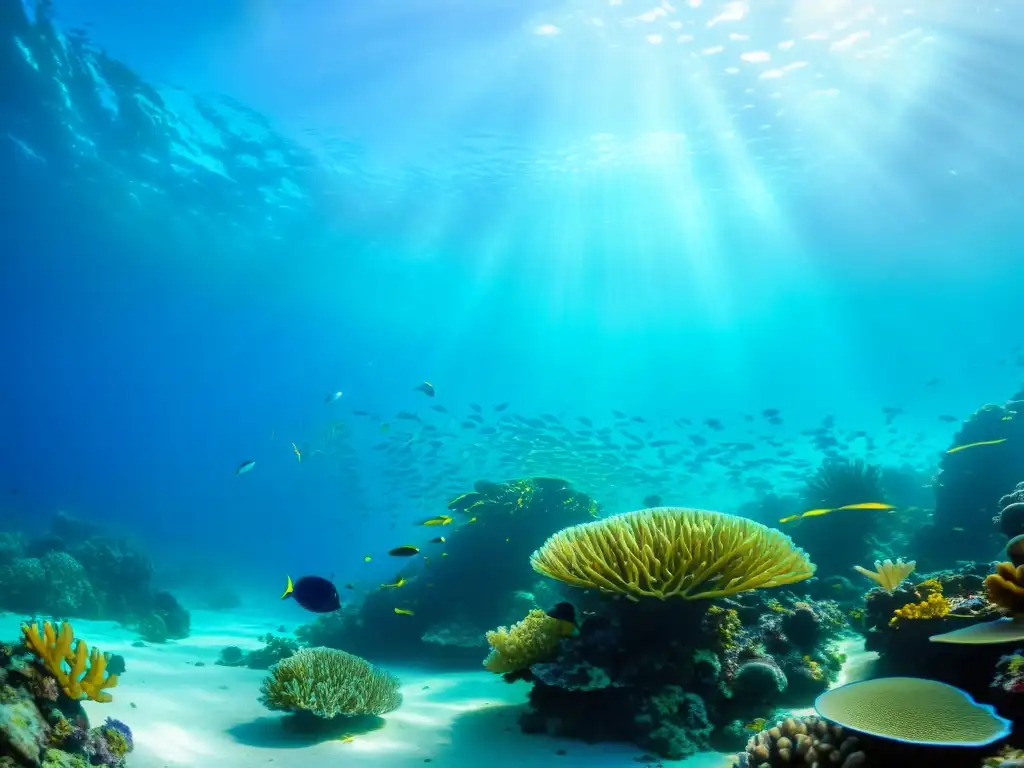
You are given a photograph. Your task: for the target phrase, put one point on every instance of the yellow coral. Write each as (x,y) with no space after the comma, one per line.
(1005,588)
(813,668)
(531,641)
(669,551)
(86,674)
(929,587)
(935,607)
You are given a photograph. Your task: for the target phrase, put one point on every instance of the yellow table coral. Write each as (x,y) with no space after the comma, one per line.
(672,552)
(86,674)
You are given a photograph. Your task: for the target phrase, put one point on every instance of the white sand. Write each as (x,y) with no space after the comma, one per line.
(210,716)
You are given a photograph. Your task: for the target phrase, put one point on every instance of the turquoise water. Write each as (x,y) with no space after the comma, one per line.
(686,249)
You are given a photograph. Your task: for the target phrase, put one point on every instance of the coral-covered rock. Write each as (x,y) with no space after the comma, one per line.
(673,723)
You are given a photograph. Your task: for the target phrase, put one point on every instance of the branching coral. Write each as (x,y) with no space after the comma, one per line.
(935,607)
(887,574)
(86,674)
(672,552)
(533,640)
(327,682)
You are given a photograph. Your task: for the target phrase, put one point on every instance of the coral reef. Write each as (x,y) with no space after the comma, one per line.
(328,683)
(76,571)
(42,722)
(455,590)
(675,677)
(970,485)
(274,650)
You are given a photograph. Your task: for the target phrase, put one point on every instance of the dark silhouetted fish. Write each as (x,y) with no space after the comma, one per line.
(314,593)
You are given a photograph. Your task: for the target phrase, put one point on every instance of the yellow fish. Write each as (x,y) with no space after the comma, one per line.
(439,520)
(347,740)
(367,558)
(396,585)
(298,453)
(404,612)
(824,511)
(756,725)
(975,445)
(471,520)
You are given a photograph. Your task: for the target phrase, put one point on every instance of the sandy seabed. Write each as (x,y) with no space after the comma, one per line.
(184,710)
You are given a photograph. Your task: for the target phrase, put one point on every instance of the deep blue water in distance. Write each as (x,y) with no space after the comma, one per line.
(603,217)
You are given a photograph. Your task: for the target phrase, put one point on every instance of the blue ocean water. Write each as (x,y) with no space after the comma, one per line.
(659,219)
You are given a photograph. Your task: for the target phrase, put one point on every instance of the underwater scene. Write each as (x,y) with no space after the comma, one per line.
(519,383)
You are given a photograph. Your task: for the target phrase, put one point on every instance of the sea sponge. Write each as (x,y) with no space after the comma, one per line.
(887,574)
(86,676)
(935,607)
(803,741)
(327,682)
(667,551)
(913,711)
(533,640)
(1005,588)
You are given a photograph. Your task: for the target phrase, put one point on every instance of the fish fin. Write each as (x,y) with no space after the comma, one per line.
(289,589)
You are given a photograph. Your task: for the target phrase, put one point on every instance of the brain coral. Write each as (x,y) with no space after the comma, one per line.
(913,711)
(327,682)
(672,552)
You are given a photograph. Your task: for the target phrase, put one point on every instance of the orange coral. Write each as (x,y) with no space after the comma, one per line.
(86,674)
(1005,588)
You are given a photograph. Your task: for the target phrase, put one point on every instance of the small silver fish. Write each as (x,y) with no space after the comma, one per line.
(333,397)
(244,467)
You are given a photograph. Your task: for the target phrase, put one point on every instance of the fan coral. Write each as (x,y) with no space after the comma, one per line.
(327,682)
(887,574)
(935,607)
(87,672)
(531,641)
(667,551)
(913,711)
(802,741)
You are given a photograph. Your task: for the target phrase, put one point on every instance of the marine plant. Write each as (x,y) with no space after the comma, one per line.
(672,552)
(327,682)
(530,641)
(85,674)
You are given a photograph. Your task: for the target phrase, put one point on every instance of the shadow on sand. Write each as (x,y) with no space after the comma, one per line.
(301,730)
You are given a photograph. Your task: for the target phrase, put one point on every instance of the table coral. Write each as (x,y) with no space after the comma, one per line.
(672,552)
